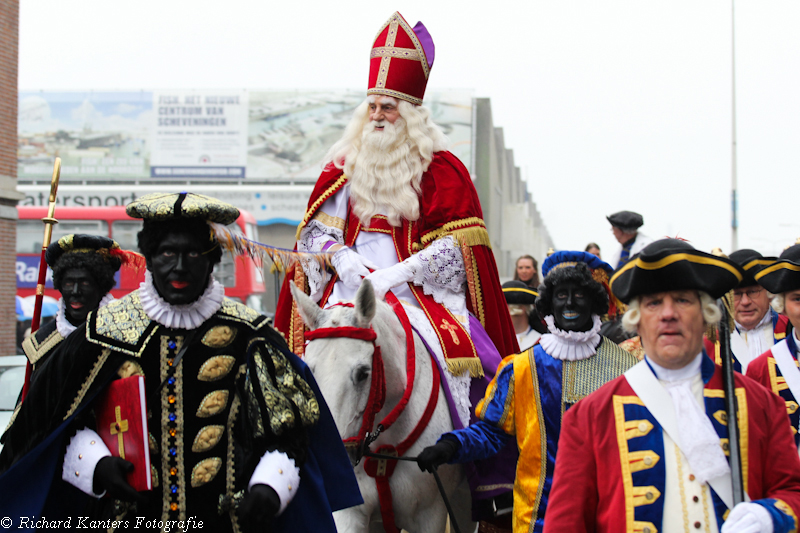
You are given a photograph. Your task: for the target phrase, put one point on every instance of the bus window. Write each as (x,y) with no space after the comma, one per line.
(31,232)
(124,232)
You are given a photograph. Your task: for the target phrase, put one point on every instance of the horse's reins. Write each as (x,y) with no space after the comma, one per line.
(381,463)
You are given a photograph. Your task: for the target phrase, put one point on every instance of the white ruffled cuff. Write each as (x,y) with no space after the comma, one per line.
(439,269)
(83,453)
(313,238)
(276,470)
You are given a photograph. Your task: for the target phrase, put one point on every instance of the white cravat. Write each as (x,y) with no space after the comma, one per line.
(699,441)
(189,316)
(760,338)
(570,345)
(64,326)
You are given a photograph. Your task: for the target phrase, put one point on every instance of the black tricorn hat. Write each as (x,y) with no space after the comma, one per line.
(626,220)
(781,276)
(672,265)
(751,262)
(83,243)
(792,253)
(517,292)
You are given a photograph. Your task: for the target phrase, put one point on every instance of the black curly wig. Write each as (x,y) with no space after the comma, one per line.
(582,276)
(102,267)
(153,232)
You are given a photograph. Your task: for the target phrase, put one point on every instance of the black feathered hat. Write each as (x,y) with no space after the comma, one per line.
(82,243)
(671,265)
(751,262)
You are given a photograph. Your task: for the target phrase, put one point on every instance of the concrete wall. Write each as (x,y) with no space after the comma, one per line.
(514,224)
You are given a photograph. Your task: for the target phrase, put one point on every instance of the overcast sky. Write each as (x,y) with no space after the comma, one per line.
(608,105)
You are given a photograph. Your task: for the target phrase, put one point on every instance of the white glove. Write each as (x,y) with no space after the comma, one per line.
(748,517)
(386,279)
(351,266)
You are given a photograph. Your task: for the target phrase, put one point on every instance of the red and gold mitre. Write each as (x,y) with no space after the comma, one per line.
(401,60)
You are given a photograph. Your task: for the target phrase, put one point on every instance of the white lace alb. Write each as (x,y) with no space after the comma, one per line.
(64,326)
(699,441)
(439,269)
(189,316)
(570,345)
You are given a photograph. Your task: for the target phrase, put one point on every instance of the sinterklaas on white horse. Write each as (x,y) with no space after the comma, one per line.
(362,361)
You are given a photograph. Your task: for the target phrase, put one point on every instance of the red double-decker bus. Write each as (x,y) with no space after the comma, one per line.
(241,277)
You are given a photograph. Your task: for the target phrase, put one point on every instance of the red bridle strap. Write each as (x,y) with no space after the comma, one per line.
(377,388)
(362,334)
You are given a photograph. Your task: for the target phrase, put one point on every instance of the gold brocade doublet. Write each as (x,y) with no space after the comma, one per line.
(194,420)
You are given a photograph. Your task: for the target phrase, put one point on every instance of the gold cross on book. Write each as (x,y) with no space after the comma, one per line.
(118,428)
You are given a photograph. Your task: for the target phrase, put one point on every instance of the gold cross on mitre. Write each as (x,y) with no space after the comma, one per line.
(118,427)
(451,328)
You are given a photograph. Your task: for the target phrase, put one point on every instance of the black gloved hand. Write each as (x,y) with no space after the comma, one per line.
(438,454)
(258,507)
(110,476)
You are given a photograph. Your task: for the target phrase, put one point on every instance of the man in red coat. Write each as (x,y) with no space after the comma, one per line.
(394,206)
(647,452)
(777,368)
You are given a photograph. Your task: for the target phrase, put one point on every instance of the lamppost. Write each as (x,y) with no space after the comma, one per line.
(734,199)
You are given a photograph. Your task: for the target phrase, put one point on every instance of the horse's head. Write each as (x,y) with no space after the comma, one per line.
(343,366)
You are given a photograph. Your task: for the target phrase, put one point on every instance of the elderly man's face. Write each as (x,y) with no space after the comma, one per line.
(572,308)
(671,327)
(80,293)
(750,304)
(180,269)
(383,108)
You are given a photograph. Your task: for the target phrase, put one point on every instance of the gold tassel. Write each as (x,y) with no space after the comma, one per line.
(475,236)
(457,367)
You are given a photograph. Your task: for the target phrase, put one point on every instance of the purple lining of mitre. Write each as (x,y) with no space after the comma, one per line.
(426,41)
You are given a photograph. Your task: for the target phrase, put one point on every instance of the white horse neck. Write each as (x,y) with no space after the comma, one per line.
(392,340)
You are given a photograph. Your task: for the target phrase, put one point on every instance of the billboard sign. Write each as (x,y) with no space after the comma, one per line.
(197,134)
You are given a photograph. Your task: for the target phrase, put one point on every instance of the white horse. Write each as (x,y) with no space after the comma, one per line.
(342,368)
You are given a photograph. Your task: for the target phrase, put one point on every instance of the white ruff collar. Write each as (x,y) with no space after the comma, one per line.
(570,345)
(188,316)
(64,326)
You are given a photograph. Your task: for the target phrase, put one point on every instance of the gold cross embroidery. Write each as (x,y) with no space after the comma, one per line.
(450,328)
(119,427)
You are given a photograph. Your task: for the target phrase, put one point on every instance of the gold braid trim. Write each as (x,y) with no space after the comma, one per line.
(471,231)
(473,283)
(297,327)
(324,196)
(88,382)
(457,367)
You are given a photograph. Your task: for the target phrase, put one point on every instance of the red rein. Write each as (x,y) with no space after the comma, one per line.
(382,469)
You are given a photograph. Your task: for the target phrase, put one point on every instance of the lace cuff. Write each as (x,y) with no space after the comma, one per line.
(312,238)
(439,269)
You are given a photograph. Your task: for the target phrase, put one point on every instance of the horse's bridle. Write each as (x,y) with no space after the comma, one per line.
(379,463)
(377,388)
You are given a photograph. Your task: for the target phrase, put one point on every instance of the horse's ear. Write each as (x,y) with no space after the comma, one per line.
(309,311)
(365,304)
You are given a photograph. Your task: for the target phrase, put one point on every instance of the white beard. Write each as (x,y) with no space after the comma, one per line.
(385,174)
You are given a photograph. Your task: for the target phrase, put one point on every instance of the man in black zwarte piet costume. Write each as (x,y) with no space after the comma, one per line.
(240,437)
(83,272)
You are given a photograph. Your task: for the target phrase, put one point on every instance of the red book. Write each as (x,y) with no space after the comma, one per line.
(121,414)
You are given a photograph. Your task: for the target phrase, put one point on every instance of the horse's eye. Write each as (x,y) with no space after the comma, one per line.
(361,373)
